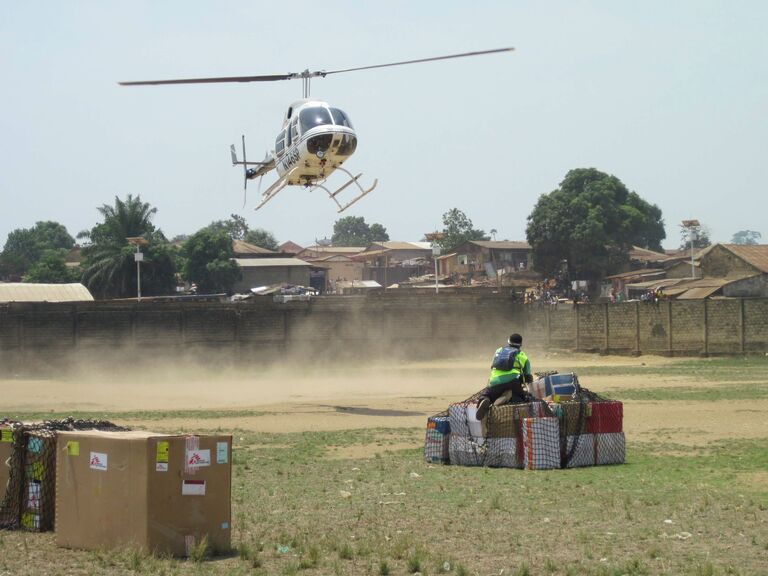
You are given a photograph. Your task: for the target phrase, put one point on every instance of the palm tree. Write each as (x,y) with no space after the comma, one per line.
(109,268)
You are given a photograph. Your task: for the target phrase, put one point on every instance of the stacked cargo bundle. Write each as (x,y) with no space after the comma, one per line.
(28,471)
(566,427)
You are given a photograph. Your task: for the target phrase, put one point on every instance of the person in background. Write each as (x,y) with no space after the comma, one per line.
(509,369)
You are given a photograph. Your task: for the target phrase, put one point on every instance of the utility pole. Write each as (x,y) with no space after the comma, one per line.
(692,226)
(138,241)
(434,238)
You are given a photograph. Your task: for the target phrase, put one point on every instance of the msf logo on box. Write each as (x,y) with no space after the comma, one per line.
(198,458)
(98,461)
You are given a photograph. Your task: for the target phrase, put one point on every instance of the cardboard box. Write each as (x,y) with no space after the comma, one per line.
(553,384)
(160,493)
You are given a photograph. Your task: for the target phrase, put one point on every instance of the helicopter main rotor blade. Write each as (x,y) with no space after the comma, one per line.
(480,53)
(263,78)
(306,74)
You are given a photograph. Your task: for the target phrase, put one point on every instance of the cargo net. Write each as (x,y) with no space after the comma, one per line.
(561,430)
(28,470)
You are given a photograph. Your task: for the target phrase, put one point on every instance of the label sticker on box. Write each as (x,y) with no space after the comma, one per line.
(161,467)
(193,488)
(162,452)
(6,435)
(198,458)
(73,448)
(98,461)
(222,452)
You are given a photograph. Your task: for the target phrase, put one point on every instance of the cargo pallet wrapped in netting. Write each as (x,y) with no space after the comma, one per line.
(28,470)
(561,431)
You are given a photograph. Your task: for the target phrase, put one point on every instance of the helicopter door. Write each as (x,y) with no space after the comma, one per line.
(280,144)
(293,132)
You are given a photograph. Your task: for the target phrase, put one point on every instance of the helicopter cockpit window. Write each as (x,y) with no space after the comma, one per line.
(295,129)
(340,118)
(315,116)
(280,143)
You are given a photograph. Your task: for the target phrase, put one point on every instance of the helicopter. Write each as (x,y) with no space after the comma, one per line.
(315,138)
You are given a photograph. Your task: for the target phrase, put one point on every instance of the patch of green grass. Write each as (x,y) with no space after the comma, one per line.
(755,391)
(200,550)
(708,369)
(145,415)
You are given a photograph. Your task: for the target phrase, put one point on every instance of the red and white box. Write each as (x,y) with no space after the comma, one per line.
(605,417)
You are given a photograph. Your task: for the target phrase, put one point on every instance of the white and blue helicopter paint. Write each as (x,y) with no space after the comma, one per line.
(315,138)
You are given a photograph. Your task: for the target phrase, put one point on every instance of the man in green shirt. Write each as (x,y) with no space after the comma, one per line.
(509,369)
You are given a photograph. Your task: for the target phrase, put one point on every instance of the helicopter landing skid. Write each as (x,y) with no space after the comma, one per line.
(272,191)
(352,180)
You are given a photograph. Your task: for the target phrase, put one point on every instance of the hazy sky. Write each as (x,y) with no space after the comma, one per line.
(670,97)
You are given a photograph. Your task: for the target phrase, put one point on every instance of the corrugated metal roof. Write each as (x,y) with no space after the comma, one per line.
(502,244)
(687,289)
(358,284)
(404,245)
(698,293)
(646,255)
(290,247)
(270,262)
(646,272)
(755,254)
(332,258)
(240,247)
(653,284)
(335,249)
(27,292)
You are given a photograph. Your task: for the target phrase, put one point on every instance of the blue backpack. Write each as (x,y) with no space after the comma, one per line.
(505,359)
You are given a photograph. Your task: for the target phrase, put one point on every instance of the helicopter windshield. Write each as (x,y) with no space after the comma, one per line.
(315,116)
(340,118)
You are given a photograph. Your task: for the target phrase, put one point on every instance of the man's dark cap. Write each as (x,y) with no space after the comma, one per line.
(515,340)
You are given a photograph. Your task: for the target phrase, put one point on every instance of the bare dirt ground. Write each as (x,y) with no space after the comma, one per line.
(381,395)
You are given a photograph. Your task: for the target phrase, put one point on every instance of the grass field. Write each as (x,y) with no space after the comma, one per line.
(363,502)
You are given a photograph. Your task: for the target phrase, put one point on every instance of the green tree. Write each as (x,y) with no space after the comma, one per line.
(51,268)
(208,261)
(24,246)
(354,231)
(378,233)
(458,229)
(700,236)
(236,227)
(262,238)
(109,268)
(746,237)
(589,225)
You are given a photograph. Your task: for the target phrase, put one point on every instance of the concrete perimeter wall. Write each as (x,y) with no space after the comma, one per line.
(403,325)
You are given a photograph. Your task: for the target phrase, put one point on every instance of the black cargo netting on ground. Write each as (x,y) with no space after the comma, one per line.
(585,430)
(28,499)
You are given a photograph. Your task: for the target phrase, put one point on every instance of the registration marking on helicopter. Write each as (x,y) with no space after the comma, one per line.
(291,158)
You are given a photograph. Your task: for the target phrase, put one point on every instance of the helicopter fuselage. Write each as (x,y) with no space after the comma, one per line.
(315,140)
